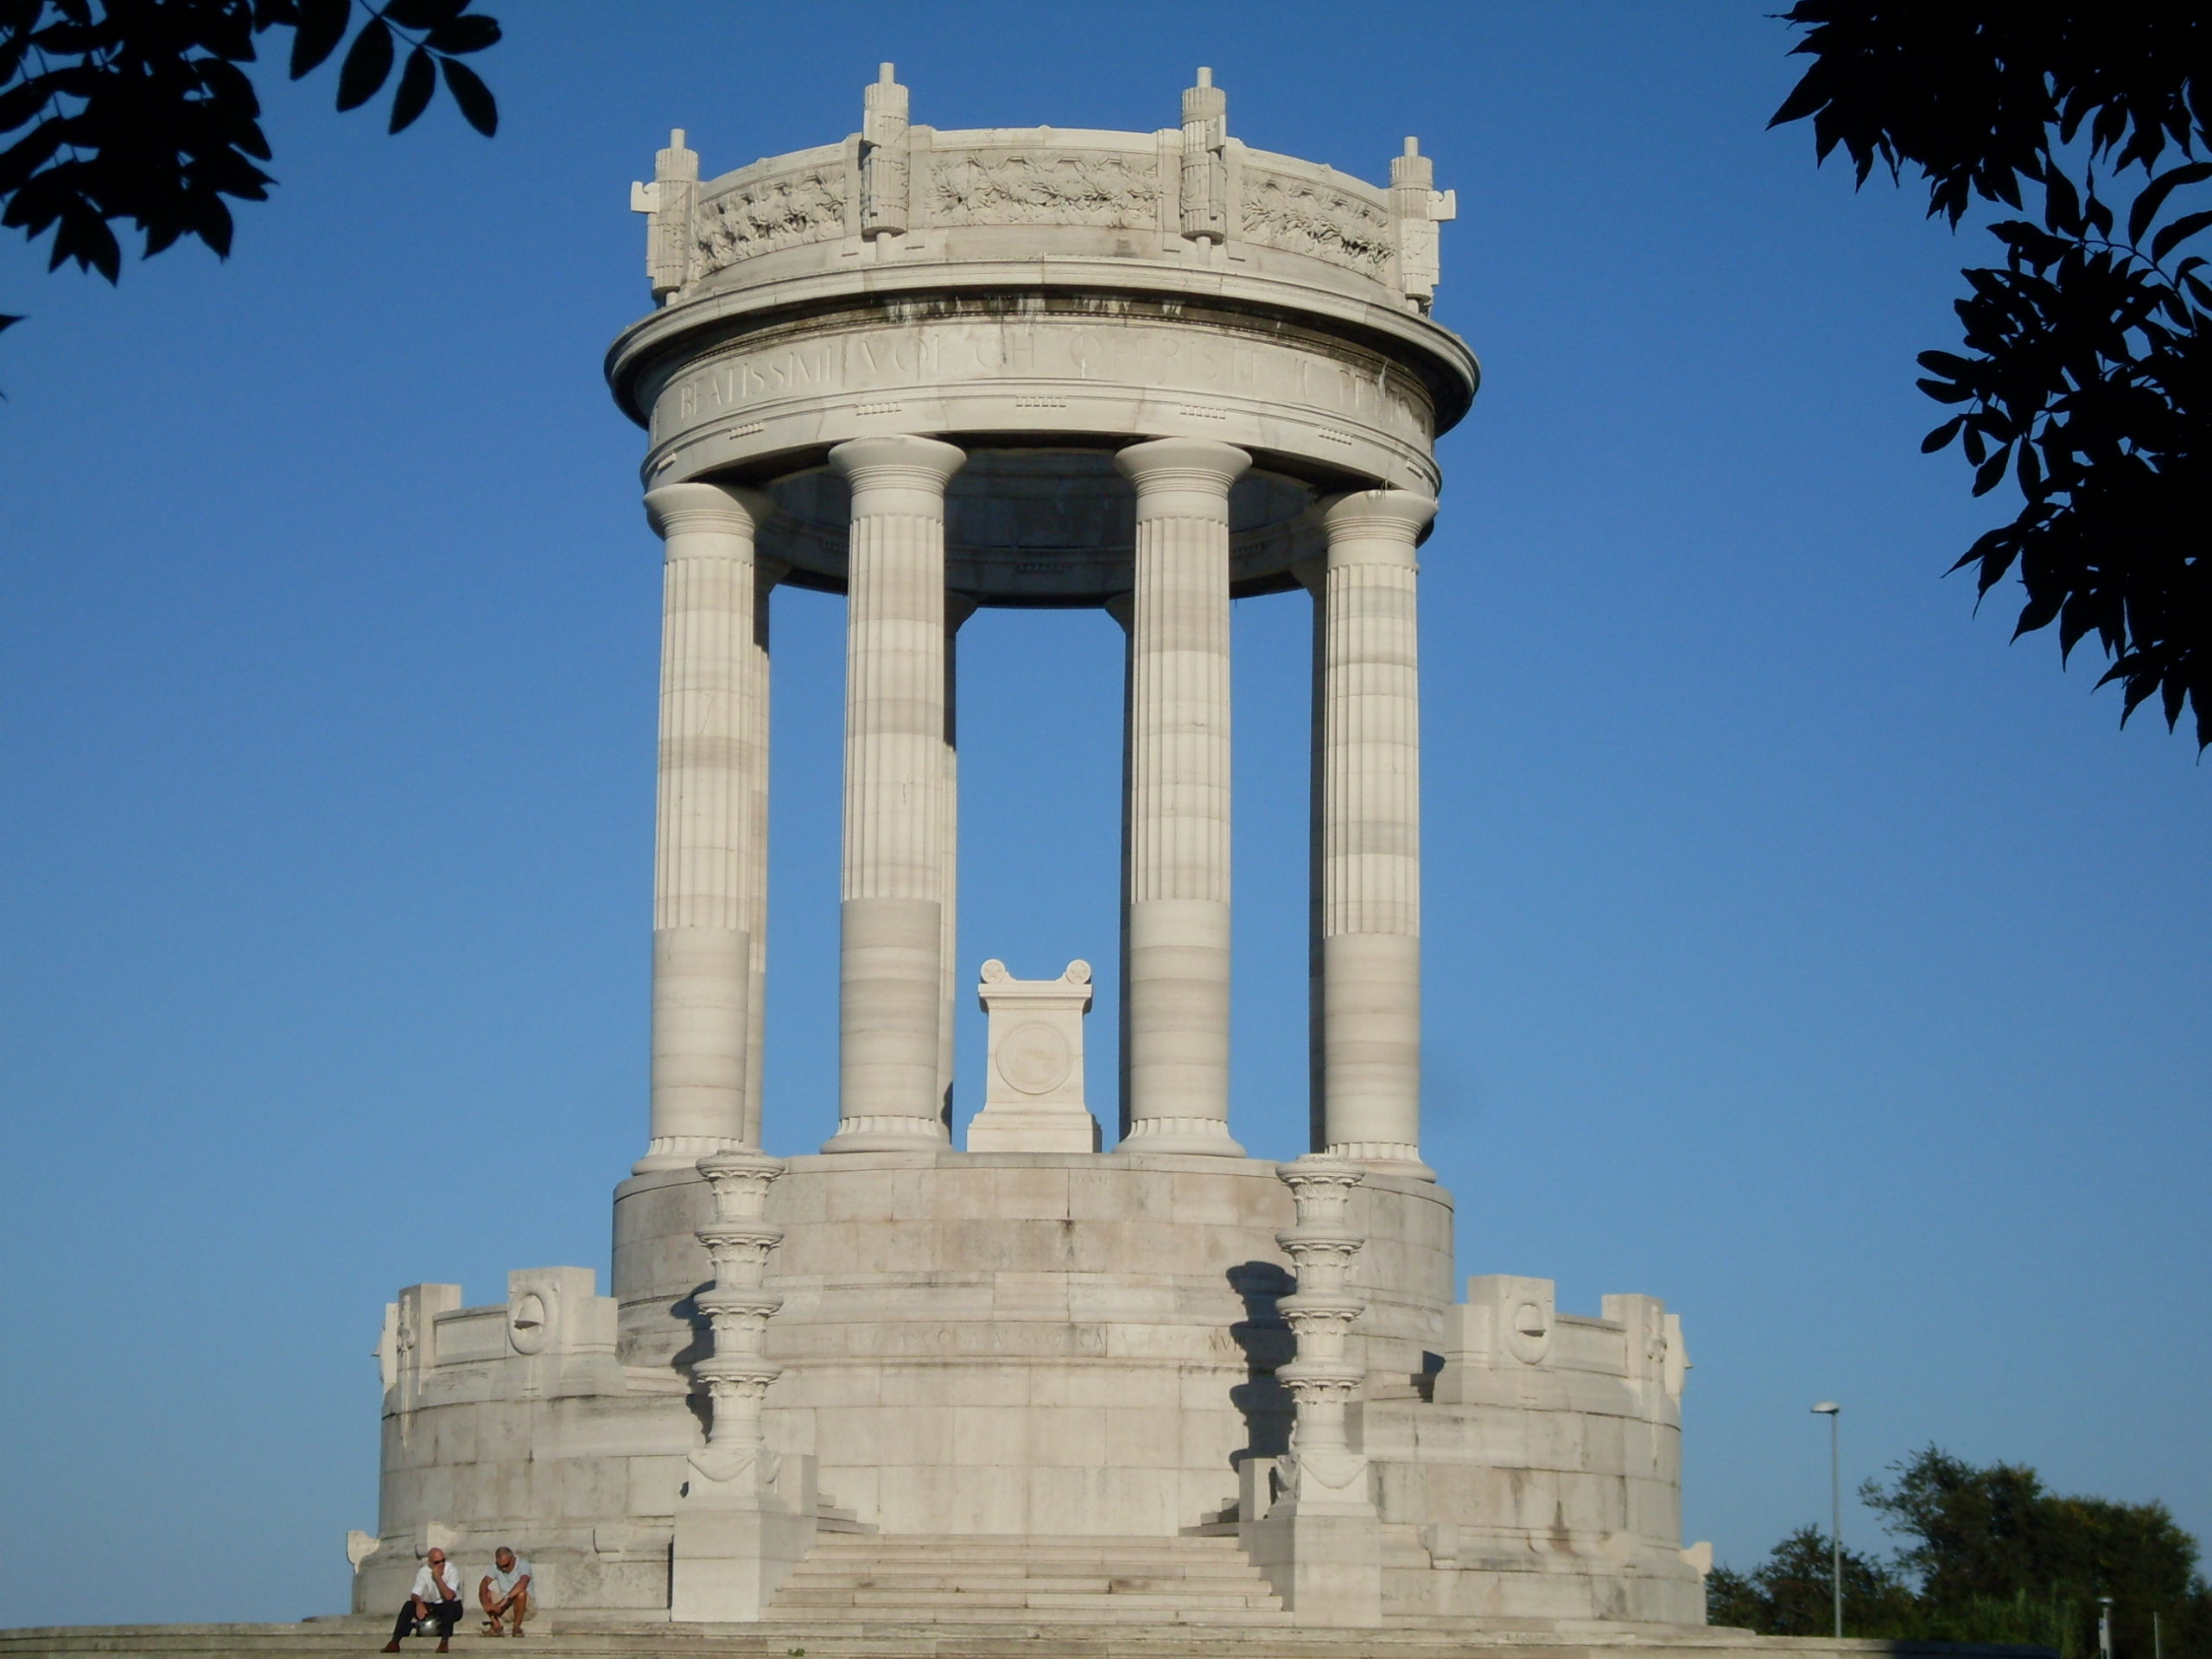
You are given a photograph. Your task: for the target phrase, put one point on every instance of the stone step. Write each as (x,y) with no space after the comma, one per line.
(1049,1592)
(1013,1638)
(1158,1567)
(948,1579)
(1164,1549)
(937,1581)
(1043,1541)
(1000,1566)
(1107,1611)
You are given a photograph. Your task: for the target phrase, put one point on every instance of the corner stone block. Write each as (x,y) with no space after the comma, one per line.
(414,1324)
(728,1562)
(1644,1320)
(1328,1569)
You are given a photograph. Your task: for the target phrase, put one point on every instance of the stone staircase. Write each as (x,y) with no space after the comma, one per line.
(1041,1637)
(942,1579)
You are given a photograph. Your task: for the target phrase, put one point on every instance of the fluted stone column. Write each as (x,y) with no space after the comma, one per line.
(958,607)
(706,898)
(1176,852)
(753,895)
(1368,856)
(891,980)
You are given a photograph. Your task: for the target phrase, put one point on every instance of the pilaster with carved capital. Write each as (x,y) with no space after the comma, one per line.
(1322,1475)
(738,1306)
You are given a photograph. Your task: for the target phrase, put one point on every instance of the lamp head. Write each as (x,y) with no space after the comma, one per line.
(1828,1409)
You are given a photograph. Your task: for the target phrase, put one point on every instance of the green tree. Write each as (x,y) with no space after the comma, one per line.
(1982,1539)
(2086,373)
(138,111)
(1792,1593)
(1989,1555)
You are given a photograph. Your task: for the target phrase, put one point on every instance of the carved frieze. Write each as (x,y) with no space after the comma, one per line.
(771,213)
(1319,221)
(1044,188)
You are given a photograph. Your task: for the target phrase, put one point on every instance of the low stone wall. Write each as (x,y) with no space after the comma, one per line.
(1035,1344)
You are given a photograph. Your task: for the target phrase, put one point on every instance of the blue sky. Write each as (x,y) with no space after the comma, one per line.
(1798,950)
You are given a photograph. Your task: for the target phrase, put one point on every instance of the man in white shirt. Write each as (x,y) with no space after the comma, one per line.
(504,1590)
(435,1594)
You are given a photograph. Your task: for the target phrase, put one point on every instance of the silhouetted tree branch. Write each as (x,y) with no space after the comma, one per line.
(138,110)
(2086,370)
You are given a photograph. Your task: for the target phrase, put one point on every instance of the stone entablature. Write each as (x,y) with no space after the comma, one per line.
(1046,286)
(1177,196)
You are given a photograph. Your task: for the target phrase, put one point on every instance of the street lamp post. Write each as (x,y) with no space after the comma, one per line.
(1829,1409)
(2104,1627)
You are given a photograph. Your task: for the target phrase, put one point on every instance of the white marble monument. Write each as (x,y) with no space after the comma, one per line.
(1026,1379)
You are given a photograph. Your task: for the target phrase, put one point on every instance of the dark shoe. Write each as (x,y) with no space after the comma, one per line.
(441,1644)
(390,1647)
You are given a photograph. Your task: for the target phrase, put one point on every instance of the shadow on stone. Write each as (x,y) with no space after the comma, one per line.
(1266,1340)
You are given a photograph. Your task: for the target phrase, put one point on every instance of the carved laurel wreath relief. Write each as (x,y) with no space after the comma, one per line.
(1321,223)
(773,213)
(1063,190)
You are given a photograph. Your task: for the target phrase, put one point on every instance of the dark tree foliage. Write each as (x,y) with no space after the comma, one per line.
(2086,373)
(1982,1535)
(1790,1593)
(1989,1555)
(138,110)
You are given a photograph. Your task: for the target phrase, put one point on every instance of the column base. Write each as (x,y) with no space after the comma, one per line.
(680,1151)
(1037,1128)
(1205,1137)
(1385,1158)
(1325,1564)
(730,1556)
(887,1134)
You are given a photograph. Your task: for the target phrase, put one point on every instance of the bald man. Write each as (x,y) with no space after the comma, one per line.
(435,1594)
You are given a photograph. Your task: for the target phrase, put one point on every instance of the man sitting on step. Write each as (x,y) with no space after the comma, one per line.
(435,1594)
(505,1590)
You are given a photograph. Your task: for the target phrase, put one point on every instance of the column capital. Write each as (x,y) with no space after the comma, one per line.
(904,462)
(678,509)
(1197,466)
(1393,515)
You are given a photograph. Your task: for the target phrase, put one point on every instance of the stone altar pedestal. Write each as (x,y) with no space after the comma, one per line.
(1033,1100)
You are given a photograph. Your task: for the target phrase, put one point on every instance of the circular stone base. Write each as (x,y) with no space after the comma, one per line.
(1031,1342)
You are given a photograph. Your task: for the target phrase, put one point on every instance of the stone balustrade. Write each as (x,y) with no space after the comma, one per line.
(1159,195)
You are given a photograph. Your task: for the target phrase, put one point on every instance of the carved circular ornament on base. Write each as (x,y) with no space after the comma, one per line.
(1035,1059)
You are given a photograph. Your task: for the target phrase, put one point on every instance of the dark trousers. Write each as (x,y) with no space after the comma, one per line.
(447,1614)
